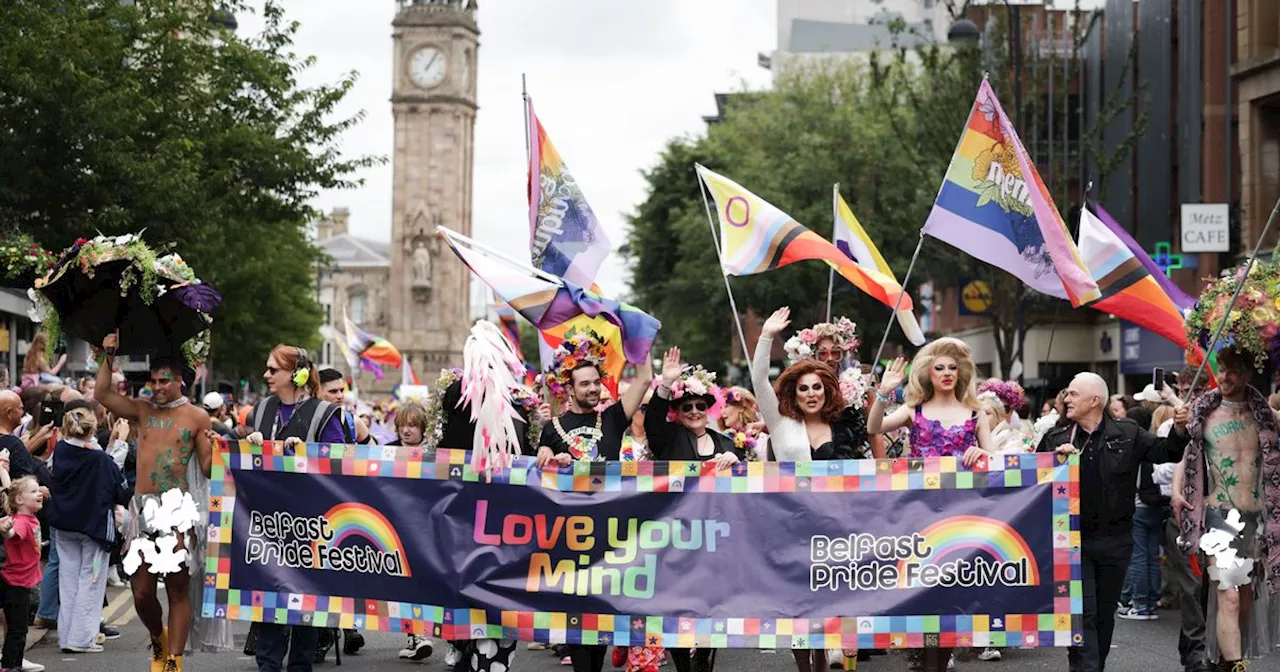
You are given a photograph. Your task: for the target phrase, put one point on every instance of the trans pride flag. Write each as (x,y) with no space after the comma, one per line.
(565,239)
(560,308)
(994,207)
(756,237)
(875,277)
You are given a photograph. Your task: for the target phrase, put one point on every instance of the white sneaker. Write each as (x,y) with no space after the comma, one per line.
(84,649)
(951,662)
(451,655)
(418,648)
(989,654)
(28,666)
(113,578)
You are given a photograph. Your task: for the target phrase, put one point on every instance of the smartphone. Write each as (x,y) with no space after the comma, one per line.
(1157,379)
(51,411)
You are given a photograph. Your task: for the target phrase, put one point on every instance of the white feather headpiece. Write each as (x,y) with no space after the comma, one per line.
(489,374)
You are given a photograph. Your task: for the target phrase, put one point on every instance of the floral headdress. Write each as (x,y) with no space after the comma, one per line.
(732,396)
(1253,325)
(573,352)
(804,345)
(1008,393)
(696,382)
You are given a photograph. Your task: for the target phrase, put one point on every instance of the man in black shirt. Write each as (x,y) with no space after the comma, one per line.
(583,433)
(21,463)
(1111,451)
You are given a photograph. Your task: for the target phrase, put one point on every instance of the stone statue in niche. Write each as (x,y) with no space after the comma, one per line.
(421,265)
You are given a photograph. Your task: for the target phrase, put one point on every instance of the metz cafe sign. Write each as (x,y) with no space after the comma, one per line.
(1205,227)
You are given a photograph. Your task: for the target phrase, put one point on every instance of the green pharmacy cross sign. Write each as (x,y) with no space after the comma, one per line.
(1165,259)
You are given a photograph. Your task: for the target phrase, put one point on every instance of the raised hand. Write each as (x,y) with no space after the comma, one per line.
(893,376)
(776,322)
(110,342)
(671,367)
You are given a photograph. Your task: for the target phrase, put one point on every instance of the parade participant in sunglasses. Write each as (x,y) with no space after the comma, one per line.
(173,433)
(677,421)
(294,414)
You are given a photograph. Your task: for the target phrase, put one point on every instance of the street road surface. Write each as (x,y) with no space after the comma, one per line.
(1139,647)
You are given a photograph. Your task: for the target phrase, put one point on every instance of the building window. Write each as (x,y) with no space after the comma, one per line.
(357,309)
(328,354)
(328,313)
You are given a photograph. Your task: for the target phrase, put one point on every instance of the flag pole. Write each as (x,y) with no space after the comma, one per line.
(478,246)
(831,276)
(915,255)
(1217,333)
(547,397)
(898,304)
(733,305)
(524,96)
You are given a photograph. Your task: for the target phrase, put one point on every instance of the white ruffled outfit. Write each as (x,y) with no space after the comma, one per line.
(789,438)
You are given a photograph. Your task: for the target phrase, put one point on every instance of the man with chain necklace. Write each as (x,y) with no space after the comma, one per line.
(585,433)
(1232,464)
(172,433)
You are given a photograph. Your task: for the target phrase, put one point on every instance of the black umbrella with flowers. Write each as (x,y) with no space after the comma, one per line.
(117,283)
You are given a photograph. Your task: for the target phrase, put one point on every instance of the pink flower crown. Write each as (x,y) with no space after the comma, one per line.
(696,382)
(1010,394)
(804,345)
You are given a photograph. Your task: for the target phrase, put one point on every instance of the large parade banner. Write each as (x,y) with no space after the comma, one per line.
(884,554)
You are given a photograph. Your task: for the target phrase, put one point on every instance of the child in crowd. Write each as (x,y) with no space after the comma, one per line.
(21,572)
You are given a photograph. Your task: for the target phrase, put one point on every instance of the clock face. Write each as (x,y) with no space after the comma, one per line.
(427,67)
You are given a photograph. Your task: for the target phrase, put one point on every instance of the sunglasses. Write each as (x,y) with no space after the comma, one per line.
(271,370)
(688,406)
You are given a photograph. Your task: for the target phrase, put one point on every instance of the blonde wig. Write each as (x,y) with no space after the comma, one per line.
(920,387)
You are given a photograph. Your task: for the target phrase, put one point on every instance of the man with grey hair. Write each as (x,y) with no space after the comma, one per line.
(1111,451)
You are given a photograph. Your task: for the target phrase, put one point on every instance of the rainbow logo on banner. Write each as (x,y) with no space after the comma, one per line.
(355,520)
(957,537)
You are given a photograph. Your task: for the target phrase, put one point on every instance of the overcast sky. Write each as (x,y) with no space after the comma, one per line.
(611,81)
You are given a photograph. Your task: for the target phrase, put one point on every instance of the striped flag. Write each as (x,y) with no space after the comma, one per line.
(367,351)
(1181,299)
(873,274)
(1128,290)
(994,207)
(559,308)
(756,237)
(565,239)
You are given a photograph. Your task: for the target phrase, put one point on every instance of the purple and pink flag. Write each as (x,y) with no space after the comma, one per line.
(994,207)
(565,239)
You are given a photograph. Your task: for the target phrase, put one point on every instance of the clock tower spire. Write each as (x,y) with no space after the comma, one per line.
(434,110)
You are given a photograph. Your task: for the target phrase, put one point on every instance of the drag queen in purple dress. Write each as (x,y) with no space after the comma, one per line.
(944,415)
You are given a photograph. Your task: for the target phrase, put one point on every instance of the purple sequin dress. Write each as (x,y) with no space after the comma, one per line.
(930,439)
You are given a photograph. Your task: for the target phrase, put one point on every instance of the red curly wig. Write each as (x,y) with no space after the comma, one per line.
(785,386)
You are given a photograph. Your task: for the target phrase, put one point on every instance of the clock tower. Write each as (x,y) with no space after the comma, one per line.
(434,110)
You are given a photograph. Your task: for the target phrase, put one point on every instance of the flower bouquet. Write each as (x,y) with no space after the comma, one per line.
(112,283)
(1252,324)
(854,385)
(22,260)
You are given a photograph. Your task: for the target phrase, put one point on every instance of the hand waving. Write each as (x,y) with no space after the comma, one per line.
(671,367)
(776,322)
(893,376)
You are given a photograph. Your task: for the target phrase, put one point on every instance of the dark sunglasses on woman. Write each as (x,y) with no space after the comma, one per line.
(689,406)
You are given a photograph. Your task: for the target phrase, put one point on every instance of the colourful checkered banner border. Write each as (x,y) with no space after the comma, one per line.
(902,553)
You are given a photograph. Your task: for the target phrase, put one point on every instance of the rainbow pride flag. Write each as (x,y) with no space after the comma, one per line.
(1129,291)
(994,207)
(367,351)
(565,239)
(873,273)
(756,237)
(560,308)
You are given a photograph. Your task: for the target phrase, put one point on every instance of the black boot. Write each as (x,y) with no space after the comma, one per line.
(352,642)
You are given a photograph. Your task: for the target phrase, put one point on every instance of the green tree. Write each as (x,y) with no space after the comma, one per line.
(124,117)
